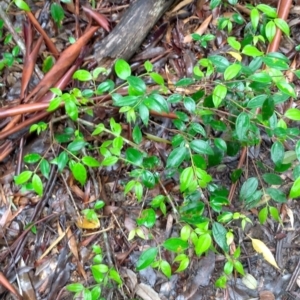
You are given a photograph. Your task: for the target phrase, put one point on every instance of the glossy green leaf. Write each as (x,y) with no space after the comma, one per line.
(82,75)
(146,258)
(232,71)
(45,168)
(76,145)
(176,157)
(137,134)
(22,5)
(175,245)
(248,188)
(37,184)
(268,10)
(283,26)
(270,31)
(157,78)
(268,108)
(219,235)
(32,158)
(219,93)
(201,147)
(277,153)
(134,156)
(272,179)
(261,77)
(79,173)
(184,82)
(239,267)
(234,44)
(184,263)
(109,161)
(293,114)
(286,88)
(228,267)
(147,218)
(165,268)
(242,126)
(295,189)
(251,51)
(254,16)
(203,244)
(23,177)
(137,84)
(262,215)
(90,161)
(62,161)
(122,69)
(75,287)
(186,178)
(274,213)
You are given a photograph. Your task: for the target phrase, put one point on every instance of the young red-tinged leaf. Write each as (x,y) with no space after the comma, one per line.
(146,258)
(262,215)
(90,161)
(23,177)
(219,93)
(295,189)
(184,263)
(261,248)
(293,114)
(79,173)
(175,245)
(37,184)
(165,268)
(203,244)
(75,287)
(114,275)
(122,69)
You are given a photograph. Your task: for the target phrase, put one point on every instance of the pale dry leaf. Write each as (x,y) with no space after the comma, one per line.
(250,282)
(291,215)
(298,281)
(146,292)
(261,248)
(200,30)
(266,295)
(181,5)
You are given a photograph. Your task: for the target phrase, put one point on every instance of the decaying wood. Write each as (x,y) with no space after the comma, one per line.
(132,30)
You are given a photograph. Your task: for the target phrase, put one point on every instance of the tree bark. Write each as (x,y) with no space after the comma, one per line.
(127,36)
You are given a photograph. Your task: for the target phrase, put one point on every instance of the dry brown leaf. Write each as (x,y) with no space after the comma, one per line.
(181,5)
(261,248)
(291,216)
(84,223)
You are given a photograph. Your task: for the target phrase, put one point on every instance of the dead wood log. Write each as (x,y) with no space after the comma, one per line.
(127,36)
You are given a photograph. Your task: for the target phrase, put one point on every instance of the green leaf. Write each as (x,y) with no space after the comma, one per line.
(272,179)
(122,69)
(248,188)
(176,157)
(297,149)
(22,5)
(277,153)
(165,268)
(137,84)
(146,258)
(23,177)
(232,71)
(184,82)
(276,195)
(274,213)
(157,78)
(82,75)
(109,161)
(220,62)
(251,51)
(293,114)
(45,168)
(221,144)
(96,291)
(134,156)
(114,275)
(203,244)
(283,26)
(267,10)
(286,88)
(261,77)
(148,179)
(254,16)
(262,215)
(71,109)
(147,218)
(189,104)
(62,160)
(201,147)
(175,245)
(75,287)
(270,31)
(76,145)
(214,3)
(79,173)
(57,13)
(242,125)
(48,64)
(32,158)
(228,267)
(219,93)
(148,66)
(137,134)
(37,184)
(257,101)
(219,234)
(90,161)
(186,177)
(295,189)
(234,43)
(268,108)
(239,267)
